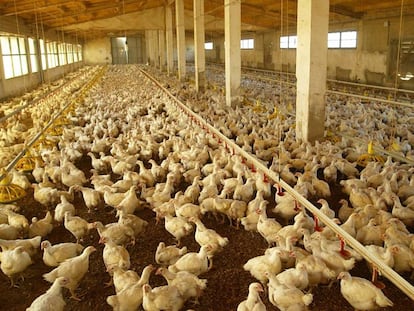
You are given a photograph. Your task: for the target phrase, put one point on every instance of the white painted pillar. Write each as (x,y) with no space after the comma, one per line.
(199,39)
(156,48)
(311,66)
(169,39)
(148,48)
(232,35)
(179,18)
(161,48)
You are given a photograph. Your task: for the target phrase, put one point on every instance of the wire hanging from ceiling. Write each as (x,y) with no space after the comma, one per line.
(397,69)
(18,34)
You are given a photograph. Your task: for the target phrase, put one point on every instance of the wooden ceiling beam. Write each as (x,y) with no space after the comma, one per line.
(341,10)
(101,12)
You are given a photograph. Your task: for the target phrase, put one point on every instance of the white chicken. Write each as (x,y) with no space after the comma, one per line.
(128,299)
(123,279)
(259,266)
(205,236)
(161,298)
(188,284)
(130,202)
(8,232)
(286,298)
(286,207)
(46,196)
(72,176)
(76,225)
(267,227)
(317,270)
(253,301)
(115,256)
(14,262)
(128,288)
(188,210)
(30,245)
(118,233)
(177,226)
(361,293)
(91,197)
(111,197)
(17,220)
(53,299)
(245,192)
(294,277)
(53,255)
(134,222)
(63,207)
(41,227)
(168,255)
(74,269)
(196,263)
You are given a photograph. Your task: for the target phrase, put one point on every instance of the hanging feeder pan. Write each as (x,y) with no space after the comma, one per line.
(276,114)
(332,137)
(44,143)
(395,147)
(370,156)
(62,120)
(55,131)
(258,108)
(28,163)
(10,192)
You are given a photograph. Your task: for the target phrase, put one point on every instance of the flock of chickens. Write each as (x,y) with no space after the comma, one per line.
(143,154)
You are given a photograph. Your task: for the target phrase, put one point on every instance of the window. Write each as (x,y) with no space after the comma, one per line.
(13,50)
(43,54)
(33,55)
(288,42)
(342,40)
(69,53)
(336,40)
(62,54)
(247,44)
(208,45)
(52,54)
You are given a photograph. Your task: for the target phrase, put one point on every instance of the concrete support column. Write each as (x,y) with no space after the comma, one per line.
(169,39)
(232,35)
(179,18)
(161,48)
(156,48)
(311,66)
(199,39)
(148,47)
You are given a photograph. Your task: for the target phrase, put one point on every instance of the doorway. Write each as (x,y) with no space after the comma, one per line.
(127,50)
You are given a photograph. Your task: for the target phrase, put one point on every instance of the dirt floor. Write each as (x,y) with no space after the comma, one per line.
(227,281)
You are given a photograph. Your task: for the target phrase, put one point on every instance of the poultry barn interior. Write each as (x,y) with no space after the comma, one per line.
(207,155)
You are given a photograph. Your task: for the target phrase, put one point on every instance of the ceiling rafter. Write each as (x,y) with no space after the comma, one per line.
(256,14)
(341,10)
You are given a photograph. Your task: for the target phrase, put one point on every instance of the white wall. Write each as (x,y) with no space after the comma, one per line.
(97,52)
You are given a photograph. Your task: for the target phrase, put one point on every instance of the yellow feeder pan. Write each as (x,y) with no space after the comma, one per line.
(258,107)
(10,192)
(62,120)
(370,156)
(332,137)
(395,147)
(28,163)
(275,114)
(55,131)
(44,143)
